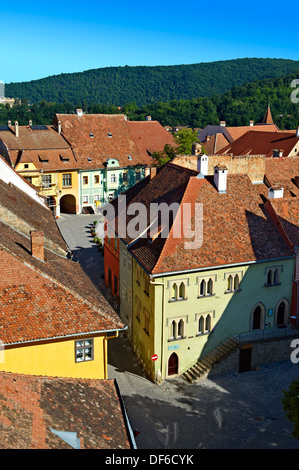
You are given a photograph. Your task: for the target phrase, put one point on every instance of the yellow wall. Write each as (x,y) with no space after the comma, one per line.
(56,359)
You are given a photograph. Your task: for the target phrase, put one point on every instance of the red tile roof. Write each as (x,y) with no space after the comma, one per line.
(150,136)
(283,171)
(235,229)
(287,213)
(31,407)
(99,137)
(262,143)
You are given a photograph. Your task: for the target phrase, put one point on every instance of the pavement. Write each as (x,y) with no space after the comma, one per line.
(231,411)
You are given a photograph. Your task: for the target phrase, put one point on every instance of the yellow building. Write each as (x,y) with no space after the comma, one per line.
(53,320)
(42,156)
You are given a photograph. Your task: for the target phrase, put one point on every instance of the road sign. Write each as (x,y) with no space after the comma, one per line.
(154,357)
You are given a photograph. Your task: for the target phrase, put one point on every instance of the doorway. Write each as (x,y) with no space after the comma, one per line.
(173,364)
(245,358)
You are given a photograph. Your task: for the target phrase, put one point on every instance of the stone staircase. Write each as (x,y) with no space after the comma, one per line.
(204,365)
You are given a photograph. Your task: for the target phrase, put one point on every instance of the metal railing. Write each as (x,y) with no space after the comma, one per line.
(267,333)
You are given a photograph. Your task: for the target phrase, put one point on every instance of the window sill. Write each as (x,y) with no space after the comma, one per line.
(272,285)
(205,296)
(177,300)
(179,338)
(203,334)
(232,291)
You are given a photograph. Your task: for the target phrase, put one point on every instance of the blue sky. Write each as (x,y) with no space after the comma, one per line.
(39,39)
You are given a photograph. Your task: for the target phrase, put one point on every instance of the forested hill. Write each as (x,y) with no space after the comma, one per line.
(146,85)
(237,107)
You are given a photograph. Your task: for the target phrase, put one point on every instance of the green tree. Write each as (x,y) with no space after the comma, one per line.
(290,404)
(185,138)
(165,156)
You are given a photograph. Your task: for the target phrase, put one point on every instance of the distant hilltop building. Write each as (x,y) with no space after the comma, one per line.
(4,100)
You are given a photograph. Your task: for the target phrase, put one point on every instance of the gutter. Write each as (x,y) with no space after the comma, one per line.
(210,268)
(126,419)
(74,335)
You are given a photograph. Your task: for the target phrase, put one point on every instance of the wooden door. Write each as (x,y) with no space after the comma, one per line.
(245,358)
(173,363)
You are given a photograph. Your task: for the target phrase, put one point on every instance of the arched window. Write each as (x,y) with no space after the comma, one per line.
(182,291)
(208,323)
(236,282)
(210,287)
(201,326)
(181,329)
(173,329)
(230,283)
(203,287)
(276,276)
(269,277)
(174,290)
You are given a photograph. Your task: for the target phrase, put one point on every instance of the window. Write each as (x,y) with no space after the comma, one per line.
(146,320)
(138,175)
(125,177)
(28,178)
(206,285)
(177,329)
(177,290)
(85,179)
(96,179)
(85,199)
(26,165)
(67,179)
(96,197)
(84,350)
(233,282)
(113,178)
(138,274)
(146,285)
(138,308)
(46,181)
(273,276)
(204,323)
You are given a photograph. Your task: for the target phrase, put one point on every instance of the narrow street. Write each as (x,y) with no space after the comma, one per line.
(233,411)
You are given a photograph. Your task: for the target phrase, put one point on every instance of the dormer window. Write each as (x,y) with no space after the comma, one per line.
(89,159)
(109,134)
(91,135)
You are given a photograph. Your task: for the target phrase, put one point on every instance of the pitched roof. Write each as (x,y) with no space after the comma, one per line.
(283,171)
(28,211)
(100,137)
(235,228)
(287,212)
(34,409)
(257,143)
(44,147)
(150,136)
(268,117)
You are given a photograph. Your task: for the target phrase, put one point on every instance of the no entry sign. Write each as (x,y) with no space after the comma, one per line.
(154,357)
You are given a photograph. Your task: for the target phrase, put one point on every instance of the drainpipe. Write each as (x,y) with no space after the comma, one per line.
(163,315)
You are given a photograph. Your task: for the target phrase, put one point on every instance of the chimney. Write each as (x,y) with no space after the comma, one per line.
(222,123)
(196,148)
(9,123)
(297,132)
(220,178)
(79,112)
(30,123)
(275,192)
(37,244)
(59,127)
(148,118)
(251,123)
(153,171)
(202,164)
(277,153)
(17,128)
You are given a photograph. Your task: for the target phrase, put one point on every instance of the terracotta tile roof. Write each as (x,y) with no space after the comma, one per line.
(215,143)
(31,407)
(287,211)
(36,146)
(268,117)
(99,137)
(40,300)
(26,209)
(262,143)
(238,131)
(283,171)
(235,228)
(150,136)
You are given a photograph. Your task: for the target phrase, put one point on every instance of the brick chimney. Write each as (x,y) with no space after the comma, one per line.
(153,172)
(37,244)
